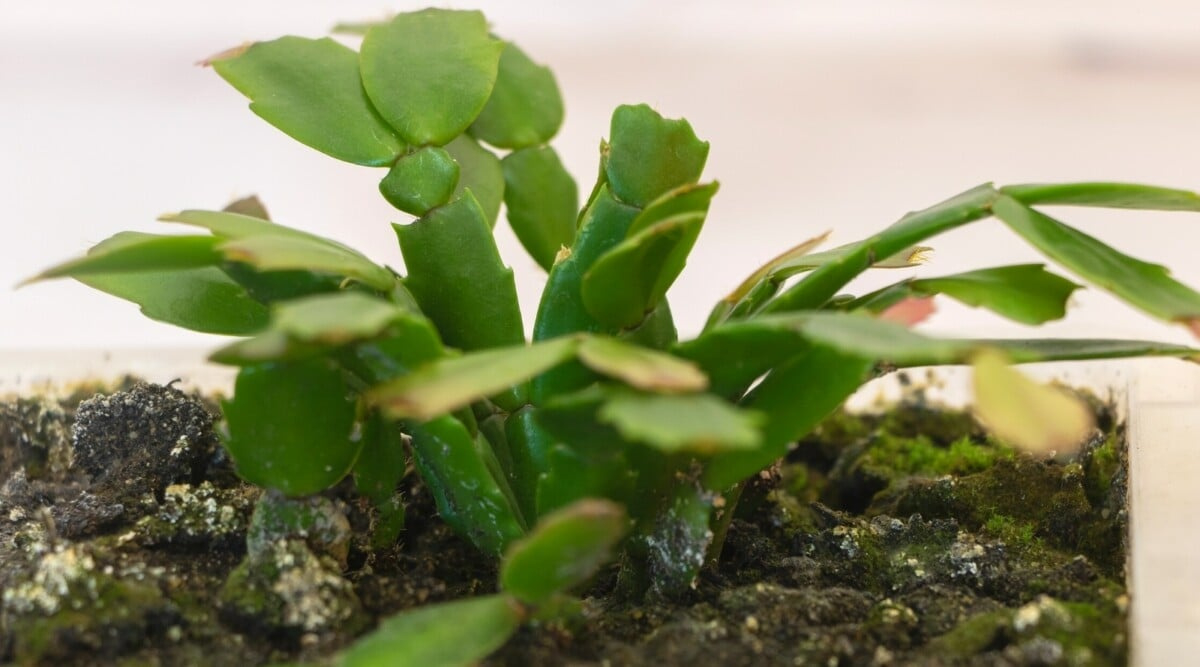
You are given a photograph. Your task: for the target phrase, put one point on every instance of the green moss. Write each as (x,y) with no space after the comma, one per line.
(100,612)
(1019,534)
(973,636)
(921,455)
(1100,466)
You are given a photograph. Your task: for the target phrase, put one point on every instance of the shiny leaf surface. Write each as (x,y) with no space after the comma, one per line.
(290,426)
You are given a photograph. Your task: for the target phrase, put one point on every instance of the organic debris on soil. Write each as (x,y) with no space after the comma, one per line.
(904,538)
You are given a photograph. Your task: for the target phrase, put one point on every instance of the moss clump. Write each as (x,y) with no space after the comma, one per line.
(317,520)
(289,591)
(35,437)
(1021,535)
(1044,631)
(69,606)
(200,514)
(922,455)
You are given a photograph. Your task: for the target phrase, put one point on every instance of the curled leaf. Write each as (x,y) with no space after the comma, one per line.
(641,367)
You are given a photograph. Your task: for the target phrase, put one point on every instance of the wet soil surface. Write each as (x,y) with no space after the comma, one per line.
(905,539)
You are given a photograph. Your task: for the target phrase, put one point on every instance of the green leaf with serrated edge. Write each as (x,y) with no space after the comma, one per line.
(1024,293)
(561,311)
(133,251)
(467,495)
(455,274)
(542,202)
(1108,195)
(421,180)
(429,73)
(794,398)
(1142,285)
(448,384)
(204,300)
(564,550)
(311,89)
(640,367)
(447,634)
(281,253)
(337,318)
(1031,416)
(201,299)
(526,107)
(272,285)
(308,325)
(232,225)
(479,170)
(629,281)
(690,198)
(649,155)
(697,423)
(290,424)
(824,282)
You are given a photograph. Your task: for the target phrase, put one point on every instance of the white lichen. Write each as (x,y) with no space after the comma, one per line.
(313,594)
(57,573)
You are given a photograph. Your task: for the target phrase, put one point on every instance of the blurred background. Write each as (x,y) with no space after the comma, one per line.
(821,115)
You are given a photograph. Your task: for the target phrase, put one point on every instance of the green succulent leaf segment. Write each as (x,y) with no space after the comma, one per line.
(525,108)
(443,635)
(605,434)
(567,548)
(290,426)
(456,275)
(430,73)
(204,300)
(311,89)
(420,181)
(542,202)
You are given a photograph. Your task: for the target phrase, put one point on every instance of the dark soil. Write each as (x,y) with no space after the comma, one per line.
(905,539)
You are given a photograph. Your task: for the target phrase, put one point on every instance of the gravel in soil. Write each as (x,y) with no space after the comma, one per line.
(908,538)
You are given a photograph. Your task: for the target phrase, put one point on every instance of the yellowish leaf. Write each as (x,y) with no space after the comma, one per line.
(1032,416)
